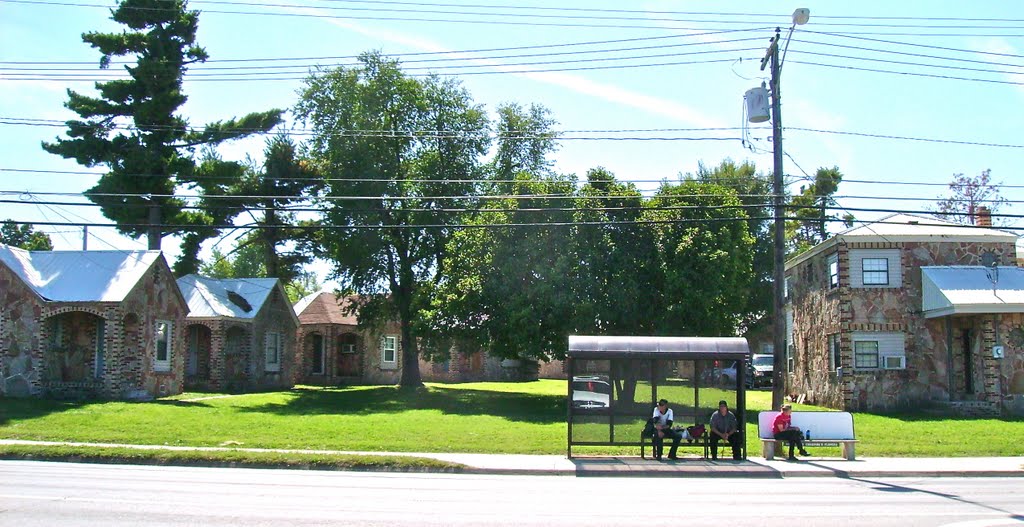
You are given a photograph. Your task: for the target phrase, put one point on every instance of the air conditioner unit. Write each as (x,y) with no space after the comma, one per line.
(894,362)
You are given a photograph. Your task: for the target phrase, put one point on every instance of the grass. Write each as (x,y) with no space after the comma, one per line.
(517,418)
(232,458)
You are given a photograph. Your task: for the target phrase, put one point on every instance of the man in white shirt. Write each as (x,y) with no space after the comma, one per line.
(663,428)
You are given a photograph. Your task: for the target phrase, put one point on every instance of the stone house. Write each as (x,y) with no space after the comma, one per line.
(905,313)
(239,334)
(89,324)
(335,350)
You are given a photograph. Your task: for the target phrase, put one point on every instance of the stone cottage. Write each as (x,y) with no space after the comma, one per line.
(89,324)
(334,350)
(239,334)
(905,313)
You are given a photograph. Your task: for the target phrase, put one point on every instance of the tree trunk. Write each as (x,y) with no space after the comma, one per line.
(410,352)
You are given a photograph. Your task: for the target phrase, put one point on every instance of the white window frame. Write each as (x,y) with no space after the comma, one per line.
(835,357)
(832,261)
(875,280)
(389,344)
(785,288)
(163,364)
(272,345)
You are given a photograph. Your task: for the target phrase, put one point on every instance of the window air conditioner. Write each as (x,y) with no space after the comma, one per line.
(894,362)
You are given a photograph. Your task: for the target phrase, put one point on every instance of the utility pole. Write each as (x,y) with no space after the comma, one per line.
(779,250)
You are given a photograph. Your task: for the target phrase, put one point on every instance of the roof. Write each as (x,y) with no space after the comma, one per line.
(910,228)
(324,308)
(225,297)
(589,346)
(79,276)
(958,289)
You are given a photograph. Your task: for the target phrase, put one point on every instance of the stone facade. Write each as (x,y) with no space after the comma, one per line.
(948,360)
(91,349)
(335,350)
(229,353)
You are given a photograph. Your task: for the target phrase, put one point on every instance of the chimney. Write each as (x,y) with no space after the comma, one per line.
(983,217)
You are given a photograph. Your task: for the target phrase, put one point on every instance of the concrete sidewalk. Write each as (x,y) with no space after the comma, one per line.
(626,466)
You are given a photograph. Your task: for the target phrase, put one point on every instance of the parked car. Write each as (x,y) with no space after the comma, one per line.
(760,370)
(591,391)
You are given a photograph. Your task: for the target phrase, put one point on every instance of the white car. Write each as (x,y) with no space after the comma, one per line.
(591,391)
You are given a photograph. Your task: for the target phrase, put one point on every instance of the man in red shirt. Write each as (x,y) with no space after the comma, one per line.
(783,430)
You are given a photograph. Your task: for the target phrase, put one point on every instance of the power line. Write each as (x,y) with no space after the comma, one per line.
(905,63)
(909,54)
(912,44)
(904,138)
(913,74)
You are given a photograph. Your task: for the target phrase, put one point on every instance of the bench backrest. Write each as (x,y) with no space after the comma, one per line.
(823,425)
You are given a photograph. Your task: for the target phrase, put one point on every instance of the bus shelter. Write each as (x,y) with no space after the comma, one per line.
(615,383)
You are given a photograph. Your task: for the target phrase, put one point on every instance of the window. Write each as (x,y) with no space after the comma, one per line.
(789,359)
(865,354)
(785,288)
(389,350)
(162,360)
(347,343)
(880,350)
(318,355)
(875,271)
(833,270)
(834,355)
(272,345)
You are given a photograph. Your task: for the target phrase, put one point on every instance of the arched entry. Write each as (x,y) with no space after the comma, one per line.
(236,352)
(348,356)
(197,360)
(76,351)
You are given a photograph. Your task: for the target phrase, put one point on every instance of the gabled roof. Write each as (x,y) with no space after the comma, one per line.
(910,225)
(225,297)
(956,289)
(909,228)
(324,308)
(79,276)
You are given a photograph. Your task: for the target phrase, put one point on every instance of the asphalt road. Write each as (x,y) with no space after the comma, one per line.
(38,494)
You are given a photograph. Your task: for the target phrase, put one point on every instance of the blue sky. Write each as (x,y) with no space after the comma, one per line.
(679,96)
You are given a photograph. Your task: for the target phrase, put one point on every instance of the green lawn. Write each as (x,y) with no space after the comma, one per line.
(524,418)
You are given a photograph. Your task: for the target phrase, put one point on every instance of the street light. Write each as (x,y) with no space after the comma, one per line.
(800,17)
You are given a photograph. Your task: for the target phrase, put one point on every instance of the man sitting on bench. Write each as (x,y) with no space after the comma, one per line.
(724,426)
(663,429)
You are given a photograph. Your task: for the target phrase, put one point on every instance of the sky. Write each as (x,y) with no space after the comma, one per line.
(661,93)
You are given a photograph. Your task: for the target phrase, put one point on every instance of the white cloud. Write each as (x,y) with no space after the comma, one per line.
(654,105)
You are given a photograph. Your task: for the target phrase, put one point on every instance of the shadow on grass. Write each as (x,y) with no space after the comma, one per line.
(530,408)
(16,409)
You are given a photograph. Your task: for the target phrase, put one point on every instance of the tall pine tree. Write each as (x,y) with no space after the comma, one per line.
(133,127)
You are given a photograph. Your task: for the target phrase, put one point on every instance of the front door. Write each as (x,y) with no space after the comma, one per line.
(967,358)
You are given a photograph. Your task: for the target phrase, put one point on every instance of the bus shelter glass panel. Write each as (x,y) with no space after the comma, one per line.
(591,428)
(634,397)
(591,387)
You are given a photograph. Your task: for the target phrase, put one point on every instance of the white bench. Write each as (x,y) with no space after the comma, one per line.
(826,428)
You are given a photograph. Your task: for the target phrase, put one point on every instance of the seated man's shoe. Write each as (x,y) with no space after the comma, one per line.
(672,457)
(792,458)
(804,453)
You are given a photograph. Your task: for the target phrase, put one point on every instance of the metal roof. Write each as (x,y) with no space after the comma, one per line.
(590,346)
(962,289)
(213,297)
(79,276)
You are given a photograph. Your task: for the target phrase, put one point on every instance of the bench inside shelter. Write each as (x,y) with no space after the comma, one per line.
(825,428)
(614,384)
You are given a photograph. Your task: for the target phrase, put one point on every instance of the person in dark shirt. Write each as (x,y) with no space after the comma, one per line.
(724,427)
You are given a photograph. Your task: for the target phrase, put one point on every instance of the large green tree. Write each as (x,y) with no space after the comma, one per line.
(811,209)
(134,129)
(24,236)
(397,151)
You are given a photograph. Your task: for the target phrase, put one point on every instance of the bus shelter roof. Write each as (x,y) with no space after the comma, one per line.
(675,348)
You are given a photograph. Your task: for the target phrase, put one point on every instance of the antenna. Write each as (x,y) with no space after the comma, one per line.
(991,262)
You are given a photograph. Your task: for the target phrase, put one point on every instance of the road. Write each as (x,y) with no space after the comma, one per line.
(46,494)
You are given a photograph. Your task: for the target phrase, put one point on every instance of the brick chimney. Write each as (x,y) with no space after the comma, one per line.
(983,218)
